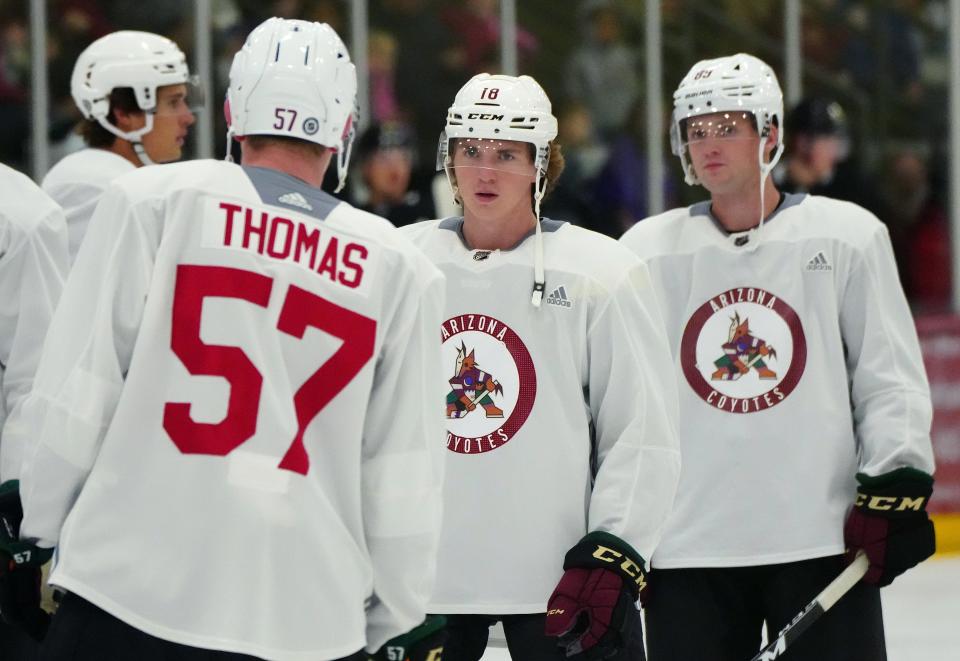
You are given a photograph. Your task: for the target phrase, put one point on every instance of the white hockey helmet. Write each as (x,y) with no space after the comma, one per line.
(142,61)
(738,82)
(295,79)
(500,107)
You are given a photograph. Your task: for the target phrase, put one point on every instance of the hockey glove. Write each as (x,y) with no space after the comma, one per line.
(889,522)
(422,643)
(20,564)
(590,609)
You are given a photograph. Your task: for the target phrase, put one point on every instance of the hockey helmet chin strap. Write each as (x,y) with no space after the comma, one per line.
(539,278)
(765,169)
(135,138)
(141,153)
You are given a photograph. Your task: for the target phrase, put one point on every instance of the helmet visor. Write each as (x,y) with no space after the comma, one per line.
(180,98)
(506,156)
(718,126)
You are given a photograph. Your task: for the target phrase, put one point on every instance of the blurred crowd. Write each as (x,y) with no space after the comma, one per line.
(879,66)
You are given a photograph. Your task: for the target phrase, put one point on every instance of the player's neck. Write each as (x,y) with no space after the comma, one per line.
(124,149)
(738,212)
(495,234)
(309,169)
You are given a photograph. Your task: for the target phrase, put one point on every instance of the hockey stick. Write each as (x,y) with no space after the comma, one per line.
(812,612)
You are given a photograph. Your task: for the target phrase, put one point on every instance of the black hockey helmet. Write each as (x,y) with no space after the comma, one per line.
(817,115)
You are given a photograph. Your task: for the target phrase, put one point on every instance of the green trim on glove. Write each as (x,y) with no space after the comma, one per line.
(902,493)
(430,626)
(603,550)
(10,486)
(905,473)
(23,554)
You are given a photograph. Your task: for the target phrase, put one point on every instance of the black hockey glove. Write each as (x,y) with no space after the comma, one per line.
(590,609)
(422,643)
(889,522)
(20,565)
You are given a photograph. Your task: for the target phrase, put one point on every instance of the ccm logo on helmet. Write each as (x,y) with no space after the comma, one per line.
(484,115)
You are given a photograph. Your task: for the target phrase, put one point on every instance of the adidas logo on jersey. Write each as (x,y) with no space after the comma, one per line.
(559,297)
(819,263)
(295,200)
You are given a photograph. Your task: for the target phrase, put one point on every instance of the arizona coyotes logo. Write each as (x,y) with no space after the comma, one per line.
(493,386)
(762,347)
(470,387)
(743,352)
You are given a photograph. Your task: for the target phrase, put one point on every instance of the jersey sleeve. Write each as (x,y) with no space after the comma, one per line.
(84,363)
(32,270)
(403,462)
(633,401)
(889,391)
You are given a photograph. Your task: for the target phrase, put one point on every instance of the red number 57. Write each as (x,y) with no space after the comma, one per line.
(301,309)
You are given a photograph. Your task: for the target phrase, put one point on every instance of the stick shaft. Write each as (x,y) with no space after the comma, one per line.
(812,611)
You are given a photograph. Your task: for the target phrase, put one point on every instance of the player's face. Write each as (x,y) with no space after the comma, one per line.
(495,177)
(825,153)
(171,121)
(723,150)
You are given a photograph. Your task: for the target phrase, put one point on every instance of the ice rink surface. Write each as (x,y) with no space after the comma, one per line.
(921,611)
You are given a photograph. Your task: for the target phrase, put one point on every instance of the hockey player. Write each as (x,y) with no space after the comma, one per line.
(560,406)
(804,406)
(240,447)
(33,263)
(134,91)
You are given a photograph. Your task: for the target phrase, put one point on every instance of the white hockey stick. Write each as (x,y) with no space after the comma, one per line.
(812,612)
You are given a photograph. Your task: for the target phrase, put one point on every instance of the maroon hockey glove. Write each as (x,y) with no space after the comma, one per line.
(889,522)
(20,565)
(422,643)
(589,611)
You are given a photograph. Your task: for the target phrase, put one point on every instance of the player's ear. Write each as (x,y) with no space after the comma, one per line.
(773,135)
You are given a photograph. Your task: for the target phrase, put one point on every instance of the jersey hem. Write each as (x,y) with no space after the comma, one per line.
(193,640)
(488,609)
(749,560)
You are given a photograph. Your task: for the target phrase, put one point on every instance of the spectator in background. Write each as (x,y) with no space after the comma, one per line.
(816,156)
(429,66)
(477,24)
(583,157)
(602,72)
(621,196)
(919,230)
(382,70)
(14,81)
(818,140)
(385,158)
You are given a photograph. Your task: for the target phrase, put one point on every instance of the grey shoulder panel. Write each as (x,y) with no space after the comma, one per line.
(283,190)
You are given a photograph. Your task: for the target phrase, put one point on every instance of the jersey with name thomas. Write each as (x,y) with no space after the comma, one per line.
(798,365)
(238,404)
(541,405)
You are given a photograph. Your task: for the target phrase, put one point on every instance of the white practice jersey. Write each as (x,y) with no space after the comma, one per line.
(77,182)
(33,264)
(531,395)
(240,443)
(798,366)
